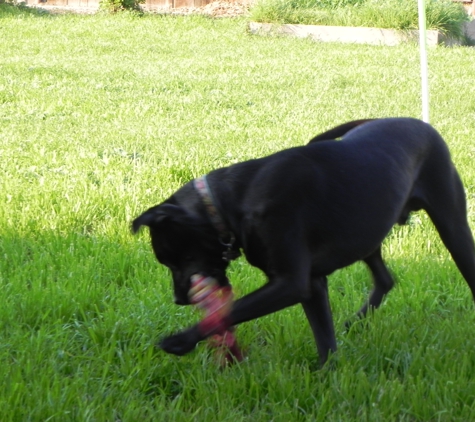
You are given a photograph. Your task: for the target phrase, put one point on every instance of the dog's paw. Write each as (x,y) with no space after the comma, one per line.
(179,344)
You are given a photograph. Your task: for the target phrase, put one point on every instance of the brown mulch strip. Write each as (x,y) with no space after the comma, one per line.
(218,9)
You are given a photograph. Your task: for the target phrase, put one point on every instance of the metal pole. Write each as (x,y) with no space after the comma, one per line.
(423,53)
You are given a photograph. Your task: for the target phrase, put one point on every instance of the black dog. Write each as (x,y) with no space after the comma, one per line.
(304,212)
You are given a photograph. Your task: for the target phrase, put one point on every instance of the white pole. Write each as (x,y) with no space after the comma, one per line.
(423,52)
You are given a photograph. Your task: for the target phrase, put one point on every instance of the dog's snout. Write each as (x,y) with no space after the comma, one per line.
(180,301)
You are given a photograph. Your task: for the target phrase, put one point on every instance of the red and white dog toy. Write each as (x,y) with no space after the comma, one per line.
(217,302)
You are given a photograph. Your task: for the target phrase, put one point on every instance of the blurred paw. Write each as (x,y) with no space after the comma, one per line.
(179,344)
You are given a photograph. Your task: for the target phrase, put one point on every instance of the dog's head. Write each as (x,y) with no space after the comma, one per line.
(186,243)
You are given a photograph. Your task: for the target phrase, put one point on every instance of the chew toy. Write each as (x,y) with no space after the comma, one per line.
(217,302)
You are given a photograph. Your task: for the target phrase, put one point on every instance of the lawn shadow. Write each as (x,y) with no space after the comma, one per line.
(21,10)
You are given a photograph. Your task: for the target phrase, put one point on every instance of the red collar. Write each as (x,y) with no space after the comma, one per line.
(226,236)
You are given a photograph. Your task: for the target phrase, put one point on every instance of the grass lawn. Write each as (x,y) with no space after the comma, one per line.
(103,116)
(442,15)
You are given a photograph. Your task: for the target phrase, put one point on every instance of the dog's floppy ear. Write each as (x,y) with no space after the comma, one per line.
(159,214)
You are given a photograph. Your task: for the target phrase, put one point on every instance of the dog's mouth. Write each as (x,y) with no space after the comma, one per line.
(182,297)
(179,301)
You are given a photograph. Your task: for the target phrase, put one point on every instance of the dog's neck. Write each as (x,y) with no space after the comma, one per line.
(226,236)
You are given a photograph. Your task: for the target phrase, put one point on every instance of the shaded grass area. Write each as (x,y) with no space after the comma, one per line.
(103,116)
(82,347)
(442,15)
(9,10)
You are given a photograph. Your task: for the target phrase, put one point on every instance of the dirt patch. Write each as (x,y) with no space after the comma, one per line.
(217,9)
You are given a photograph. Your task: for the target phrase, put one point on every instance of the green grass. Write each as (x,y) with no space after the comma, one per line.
(103,116)
(443,15)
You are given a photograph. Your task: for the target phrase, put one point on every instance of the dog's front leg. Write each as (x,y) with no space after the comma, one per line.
(182,343)
(318,311)
(279,293)
(312,294)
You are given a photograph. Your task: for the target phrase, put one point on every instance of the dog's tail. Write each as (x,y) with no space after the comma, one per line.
(339,131)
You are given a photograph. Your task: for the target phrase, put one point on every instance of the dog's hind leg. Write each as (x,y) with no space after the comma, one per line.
(382,279)
(318,312)
(446,206)
(382,283)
